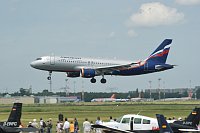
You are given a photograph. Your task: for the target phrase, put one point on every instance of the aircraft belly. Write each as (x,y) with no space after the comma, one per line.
(146,131)
(129,72)
(64,68)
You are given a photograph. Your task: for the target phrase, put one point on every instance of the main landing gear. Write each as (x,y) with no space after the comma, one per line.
(103,80)
(93,80)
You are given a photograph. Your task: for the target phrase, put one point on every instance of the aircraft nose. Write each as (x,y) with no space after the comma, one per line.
(33,64)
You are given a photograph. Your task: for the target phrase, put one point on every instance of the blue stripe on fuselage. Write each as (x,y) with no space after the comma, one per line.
(143,69)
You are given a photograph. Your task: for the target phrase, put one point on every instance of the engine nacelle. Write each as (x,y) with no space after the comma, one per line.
(73,74)
(87,73)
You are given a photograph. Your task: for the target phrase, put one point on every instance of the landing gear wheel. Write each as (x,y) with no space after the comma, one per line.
(93,80)
(103,81)
(49,78)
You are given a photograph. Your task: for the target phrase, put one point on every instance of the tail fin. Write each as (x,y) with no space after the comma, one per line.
(15,115)
(163,125)
(113,96)
(161,53)
(193,118)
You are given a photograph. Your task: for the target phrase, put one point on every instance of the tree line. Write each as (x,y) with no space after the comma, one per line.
(88,96)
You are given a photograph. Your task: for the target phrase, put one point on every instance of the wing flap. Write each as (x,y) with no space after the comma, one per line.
(109,69)
(117,67)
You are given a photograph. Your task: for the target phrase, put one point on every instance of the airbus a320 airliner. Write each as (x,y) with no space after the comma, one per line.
(91,67)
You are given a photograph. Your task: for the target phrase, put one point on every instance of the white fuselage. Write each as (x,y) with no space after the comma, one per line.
(132,122)
(72,64)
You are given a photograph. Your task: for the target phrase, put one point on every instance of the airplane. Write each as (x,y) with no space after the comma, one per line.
(12,125)
(165,127)
(91,67)
(122,100)
(143,124)
(138,99)
(176,99)
(111,99)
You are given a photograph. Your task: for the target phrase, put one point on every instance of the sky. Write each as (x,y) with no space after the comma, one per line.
(114,29)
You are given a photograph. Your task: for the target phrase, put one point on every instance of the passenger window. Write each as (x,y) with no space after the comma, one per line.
(146,121)
(137,121)
(125,120)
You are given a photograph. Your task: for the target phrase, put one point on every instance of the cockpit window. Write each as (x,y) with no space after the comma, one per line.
(39,59)
(119,119)
(125,120)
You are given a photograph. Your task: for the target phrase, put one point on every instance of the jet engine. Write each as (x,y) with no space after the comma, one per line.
(73,74)
(87,73)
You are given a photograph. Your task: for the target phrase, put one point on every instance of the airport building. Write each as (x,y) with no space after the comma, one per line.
(38,99)
(24,99)
(177,90)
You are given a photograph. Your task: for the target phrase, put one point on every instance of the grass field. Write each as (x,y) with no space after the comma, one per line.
(104,110)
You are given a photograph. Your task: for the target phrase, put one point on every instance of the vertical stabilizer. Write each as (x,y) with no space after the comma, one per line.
(113,96)
(163,125)
(161,53)
(15,114)
(192,119)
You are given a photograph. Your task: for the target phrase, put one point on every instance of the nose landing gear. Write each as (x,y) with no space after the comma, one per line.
(49,77)
(50,82)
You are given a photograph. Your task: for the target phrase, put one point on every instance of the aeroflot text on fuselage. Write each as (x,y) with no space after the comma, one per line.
(91,67)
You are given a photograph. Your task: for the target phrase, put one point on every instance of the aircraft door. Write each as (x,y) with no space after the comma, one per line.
(52,60)
(92,63)
(137,124)
(125,124)
(146,66)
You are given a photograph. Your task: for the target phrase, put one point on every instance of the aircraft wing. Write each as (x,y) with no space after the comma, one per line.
(17,129)
(108,69)
(28,129)
(189,130)
(110,129)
